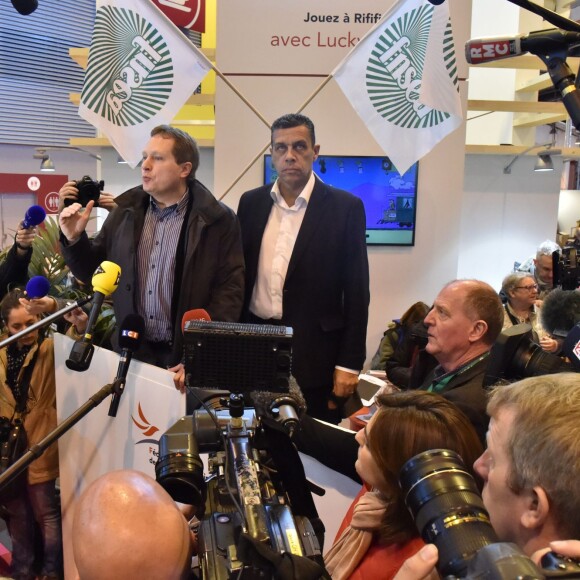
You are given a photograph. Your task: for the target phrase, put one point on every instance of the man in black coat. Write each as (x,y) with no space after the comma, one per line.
(462,326)
(307,268)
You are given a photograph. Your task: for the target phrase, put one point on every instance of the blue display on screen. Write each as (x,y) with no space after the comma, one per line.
(390,201)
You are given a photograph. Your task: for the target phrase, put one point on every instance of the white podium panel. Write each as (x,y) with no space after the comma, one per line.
(98,443)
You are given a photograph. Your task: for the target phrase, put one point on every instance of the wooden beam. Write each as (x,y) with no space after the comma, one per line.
(515,150)
(516,106)
(542,81)
(524,121)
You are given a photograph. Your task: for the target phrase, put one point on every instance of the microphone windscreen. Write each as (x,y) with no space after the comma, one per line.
(560,310)
(34,215)
(37,287)
(25,7)
(196,314)
(131,332)
(106,278)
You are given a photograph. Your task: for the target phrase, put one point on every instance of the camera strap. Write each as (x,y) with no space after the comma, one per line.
(24,382)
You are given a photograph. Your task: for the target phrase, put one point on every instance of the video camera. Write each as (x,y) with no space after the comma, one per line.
(257,513)
(566,268)
(89,190)
(446,505)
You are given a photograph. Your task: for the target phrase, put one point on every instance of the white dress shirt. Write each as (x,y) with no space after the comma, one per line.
(276,250)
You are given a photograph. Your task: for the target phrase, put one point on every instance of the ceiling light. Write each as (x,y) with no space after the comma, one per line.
(46,165)
(544,161)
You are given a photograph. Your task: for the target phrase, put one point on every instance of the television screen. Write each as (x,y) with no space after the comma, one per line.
(390,200)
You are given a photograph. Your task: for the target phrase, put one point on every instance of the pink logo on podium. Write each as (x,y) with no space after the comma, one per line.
(184,13)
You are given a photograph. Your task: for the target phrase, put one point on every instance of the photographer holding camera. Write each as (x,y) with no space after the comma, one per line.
(530,468)
(83,191)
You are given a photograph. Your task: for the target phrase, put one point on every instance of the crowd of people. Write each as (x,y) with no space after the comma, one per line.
(180,249)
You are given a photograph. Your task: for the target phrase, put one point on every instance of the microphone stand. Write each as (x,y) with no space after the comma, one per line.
(44,321)
(39,448)
(562,77)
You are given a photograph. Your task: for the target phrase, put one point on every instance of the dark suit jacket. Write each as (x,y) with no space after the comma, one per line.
(326,291)
(467,392)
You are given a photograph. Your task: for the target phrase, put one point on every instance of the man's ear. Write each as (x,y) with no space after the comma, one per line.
(536,510)
(478,330)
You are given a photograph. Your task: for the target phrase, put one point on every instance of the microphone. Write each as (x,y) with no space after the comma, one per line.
(540,42)
(131,334)
(105,281)
(37,287)
(285,408)
(196,314)
(34,215)
(25,7)
(436,2)
(560,311)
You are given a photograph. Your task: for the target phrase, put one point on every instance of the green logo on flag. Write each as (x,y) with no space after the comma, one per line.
(395,69)
(130,73)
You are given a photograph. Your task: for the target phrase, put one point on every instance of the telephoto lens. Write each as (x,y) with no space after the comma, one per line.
(445,503)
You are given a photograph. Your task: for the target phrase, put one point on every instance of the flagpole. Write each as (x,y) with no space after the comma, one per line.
(300,109)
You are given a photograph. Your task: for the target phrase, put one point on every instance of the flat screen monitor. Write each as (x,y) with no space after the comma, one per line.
(390,201)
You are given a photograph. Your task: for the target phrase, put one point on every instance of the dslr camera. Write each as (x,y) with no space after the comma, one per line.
(89,190)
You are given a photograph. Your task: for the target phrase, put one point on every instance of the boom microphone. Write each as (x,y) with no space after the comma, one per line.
(105,281)
(25,7)
(540,42)
(131,335)
(37,287)
(560,311)
(34,215)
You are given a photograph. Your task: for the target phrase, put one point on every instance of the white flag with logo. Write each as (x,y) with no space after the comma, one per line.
(141,71)
(401,78)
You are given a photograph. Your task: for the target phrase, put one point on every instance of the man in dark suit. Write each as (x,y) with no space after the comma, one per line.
(307,268)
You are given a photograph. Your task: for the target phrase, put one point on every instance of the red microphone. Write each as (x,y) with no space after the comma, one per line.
(196,314)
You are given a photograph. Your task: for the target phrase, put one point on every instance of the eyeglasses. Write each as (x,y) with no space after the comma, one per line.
(528,288)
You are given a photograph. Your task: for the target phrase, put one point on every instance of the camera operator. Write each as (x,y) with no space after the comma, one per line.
(151,538)
(530,468)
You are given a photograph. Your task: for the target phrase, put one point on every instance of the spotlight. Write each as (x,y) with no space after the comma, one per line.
(544,161)
(47,165)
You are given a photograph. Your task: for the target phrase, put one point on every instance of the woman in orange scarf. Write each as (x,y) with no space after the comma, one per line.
(378,534)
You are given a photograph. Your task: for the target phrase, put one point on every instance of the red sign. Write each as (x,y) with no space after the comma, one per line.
(184,13)
(45,187)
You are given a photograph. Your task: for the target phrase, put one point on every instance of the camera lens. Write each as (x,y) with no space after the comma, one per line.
(179,469)
(445,503)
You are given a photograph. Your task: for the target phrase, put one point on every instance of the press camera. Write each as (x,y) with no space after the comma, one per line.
(566,268)
(257,513)
(89,190)
(446,505)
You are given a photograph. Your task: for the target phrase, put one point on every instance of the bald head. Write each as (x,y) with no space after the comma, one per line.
(127,526)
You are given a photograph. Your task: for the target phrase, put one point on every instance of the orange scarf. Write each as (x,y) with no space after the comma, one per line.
(354,542)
